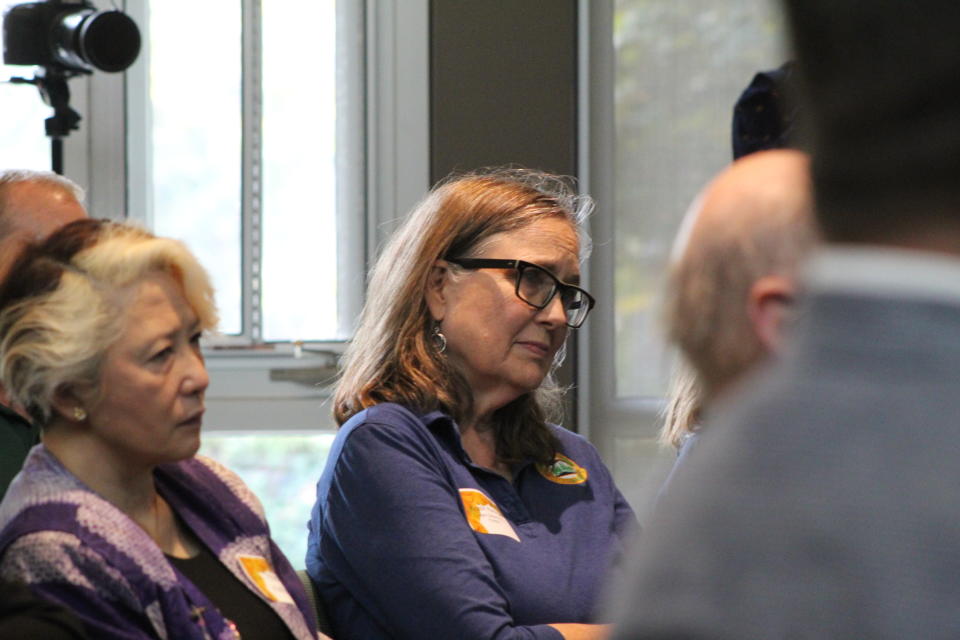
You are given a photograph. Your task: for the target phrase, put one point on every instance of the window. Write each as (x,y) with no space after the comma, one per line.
(195,143)
(282,470)
(680,68)
(664,78)
(242,154)
(261,208)
(275,150)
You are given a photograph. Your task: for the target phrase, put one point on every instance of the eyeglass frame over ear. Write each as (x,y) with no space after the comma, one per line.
(520,266)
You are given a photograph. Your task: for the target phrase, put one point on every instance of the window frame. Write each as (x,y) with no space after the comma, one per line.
(624,428)
(255,385)
(607,420)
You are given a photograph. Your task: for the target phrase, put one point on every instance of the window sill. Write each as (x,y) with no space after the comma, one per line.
(284,386)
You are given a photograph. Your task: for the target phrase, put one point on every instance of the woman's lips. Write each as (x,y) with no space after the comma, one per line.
(195,420)
(538,348)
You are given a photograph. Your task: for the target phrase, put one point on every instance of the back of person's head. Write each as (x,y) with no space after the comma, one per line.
(11,177)
(753,221)
(32,205)
(881,83)
(13,180)
(765,116)
(67,304)
(392,357)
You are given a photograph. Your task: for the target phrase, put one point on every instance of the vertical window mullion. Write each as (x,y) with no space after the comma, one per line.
(351,163)
(252,171)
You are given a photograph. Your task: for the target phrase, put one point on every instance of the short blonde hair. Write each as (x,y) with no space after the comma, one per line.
(65,307)
(392,358)
(682,413)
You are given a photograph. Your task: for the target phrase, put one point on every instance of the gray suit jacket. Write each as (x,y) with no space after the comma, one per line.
(826,502)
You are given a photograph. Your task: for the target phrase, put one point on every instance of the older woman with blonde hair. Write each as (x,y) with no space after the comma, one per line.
(112,516)
(450,506)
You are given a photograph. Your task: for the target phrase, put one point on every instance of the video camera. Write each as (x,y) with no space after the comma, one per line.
(69,37)
(66,38)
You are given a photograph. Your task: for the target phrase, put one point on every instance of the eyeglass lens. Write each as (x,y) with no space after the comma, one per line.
(537,287)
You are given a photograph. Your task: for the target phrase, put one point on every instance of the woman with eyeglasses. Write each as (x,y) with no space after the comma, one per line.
(450,506)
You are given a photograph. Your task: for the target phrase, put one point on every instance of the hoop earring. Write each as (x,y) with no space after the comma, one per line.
(439,340)
(79,414)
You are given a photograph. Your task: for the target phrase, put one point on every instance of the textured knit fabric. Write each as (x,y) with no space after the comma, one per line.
(826,503)
(409,539)
(73,547)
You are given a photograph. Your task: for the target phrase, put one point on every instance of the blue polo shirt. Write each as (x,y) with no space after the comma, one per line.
(410,539)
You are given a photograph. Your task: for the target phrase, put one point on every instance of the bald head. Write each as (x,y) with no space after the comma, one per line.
(734,263)
(33,204)
(765,188)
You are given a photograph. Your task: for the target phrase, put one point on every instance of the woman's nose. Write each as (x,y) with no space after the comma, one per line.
(196,379)
(553,314)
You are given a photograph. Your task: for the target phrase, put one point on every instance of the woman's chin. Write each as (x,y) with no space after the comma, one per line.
(532,381)
(520,388)
(188,448)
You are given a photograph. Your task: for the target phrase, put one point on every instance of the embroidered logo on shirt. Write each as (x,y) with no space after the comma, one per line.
(484,516)
(261,574)
(563,470)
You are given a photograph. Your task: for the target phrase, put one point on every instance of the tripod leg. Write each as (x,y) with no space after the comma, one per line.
(56,154)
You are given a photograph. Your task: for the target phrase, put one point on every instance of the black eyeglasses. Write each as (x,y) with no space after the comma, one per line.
(536,286)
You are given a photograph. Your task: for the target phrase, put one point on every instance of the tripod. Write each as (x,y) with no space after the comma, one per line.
(55,92)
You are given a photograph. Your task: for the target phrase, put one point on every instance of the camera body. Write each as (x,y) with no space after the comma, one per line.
(69,37)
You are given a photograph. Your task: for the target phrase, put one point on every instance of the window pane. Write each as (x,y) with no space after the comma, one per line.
(195,62)
(23,143)
(680,67)
(299,271)
(282,470)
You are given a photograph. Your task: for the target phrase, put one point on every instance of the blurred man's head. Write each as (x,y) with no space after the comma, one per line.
(732,273)
(880,81)
(32,205)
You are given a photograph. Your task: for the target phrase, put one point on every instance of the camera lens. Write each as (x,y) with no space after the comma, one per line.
(107,40)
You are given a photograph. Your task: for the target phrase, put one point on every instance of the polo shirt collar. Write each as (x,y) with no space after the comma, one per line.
(885,271)
(447,429)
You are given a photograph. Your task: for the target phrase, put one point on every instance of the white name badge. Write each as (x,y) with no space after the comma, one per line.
(484,516)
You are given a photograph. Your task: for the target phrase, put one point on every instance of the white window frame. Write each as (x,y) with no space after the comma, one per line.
(624,429)
(276,387)
(607,420)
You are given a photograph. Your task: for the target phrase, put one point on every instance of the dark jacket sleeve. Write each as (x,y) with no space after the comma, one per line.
(24,615)
(17,436)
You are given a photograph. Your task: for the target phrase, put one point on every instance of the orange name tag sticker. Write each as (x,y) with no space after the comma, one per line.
(261,574)
(484,516)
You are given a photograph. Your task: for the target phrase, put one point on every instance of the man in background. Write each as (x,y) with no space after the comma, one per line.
(826,502)
(732,280)
(33,204)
